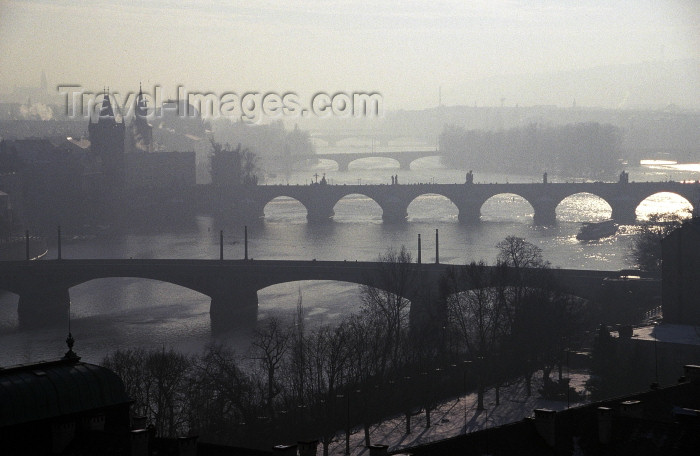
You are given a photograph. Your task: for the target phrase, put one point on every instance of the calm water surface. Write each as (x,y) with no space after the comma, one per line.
(108,314)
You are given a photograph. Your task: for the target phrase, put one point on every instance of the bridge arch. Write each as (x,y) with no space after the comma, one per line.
(310,163)
(95,296)
(281,298)
(355,207)
(507,206)
(432,206)
(285,208)
(380,162)
(429,160)
(583,207)
(663,202)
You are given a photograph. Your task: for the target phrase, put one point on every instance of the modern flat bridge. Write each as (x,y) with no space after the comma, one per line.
(344,159)
(43,286)
(319,200)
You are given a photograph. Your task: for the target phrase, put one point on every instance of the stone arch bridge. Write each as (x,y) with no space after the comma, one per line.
(320,200)
(43,286)
(344,159)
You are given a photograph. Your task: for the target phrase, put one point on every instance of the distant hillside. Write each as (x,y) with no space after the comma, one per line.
(647,85)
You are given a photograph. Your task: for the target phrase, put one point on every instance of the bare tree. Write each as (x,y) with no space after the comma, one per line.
(221,396)
(645,248)
(166,376)
(270,346)
(477,316)
(386,306)
(518,253)
(156,380)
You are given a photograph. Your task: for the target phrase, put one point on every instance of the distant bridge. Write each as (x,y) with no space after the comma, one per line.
(333,137)
(43,286)
(320,200)
(344,159)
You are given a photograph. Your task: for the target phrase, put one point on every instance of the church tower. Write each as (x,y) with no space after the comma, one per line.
(141,131)
(107,142)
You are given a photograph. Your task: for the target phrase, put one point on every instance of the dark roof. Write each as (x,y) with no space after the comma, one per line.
(33,392)
(41,151)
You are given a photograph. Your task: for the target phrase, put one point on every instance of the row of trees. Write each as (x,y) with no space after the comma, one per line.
(233,166)
(645,248)
(580,150)
(510,325)
(487,326)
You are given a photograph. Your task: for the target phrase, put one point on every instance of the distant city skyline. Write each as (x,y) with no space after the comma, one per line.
(409,52)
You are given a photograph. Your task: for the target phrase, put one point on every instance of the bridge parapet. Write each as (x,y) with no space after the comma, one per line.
(319,200)
(43,286)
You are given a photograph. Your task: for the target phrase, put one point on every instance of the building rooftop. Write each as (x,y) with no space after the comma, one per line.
(49,389)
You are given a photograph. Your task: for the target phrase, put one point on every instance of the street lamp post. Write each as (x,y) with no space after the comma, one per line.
(347,422)
(347,417)
(480,387)
(466,365)
(407,379)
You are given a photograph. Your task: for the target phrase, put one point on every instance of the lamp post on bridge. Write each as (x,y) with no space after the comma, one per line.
(418,248)
(58,246)
(437,247)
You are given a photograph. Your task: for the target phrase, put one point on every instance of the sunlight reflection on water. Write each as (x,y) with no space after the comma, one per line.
(118,313)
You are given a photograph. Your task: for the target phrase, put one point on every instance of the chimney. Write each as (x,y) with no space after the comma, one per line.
(61,435)
(545,423)
(285,450)
(605,417)
(692,372)
(307,447)
(187,446)
(631,409)
(378,450)
(139,442)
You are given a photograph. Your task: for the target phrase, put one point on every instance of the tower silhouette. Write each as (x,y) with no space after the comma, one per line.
(141,131)
(107,142)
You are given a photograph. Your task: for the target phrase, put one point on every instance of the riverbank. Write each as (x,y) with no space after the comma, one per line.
(16,249)
(458,416)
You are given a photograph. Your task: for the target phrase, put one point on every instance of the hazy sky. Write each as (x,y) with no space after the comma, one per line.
(402,49)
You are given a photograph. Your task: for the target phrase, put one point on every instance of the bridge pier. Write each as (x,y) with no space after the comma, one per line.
(394,213)
(234,306)
(469,212)
(343,163)
(545,211)
(405,165)
(43,306)
(319,213)
(428,312)
(624,211)
(249,209)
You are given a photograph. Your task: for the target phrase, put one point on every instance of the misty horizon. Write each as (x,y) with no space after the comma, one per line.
(610,55)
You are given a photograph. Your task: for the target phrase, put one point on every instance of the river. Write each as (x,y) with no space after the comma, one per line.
(108,314)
